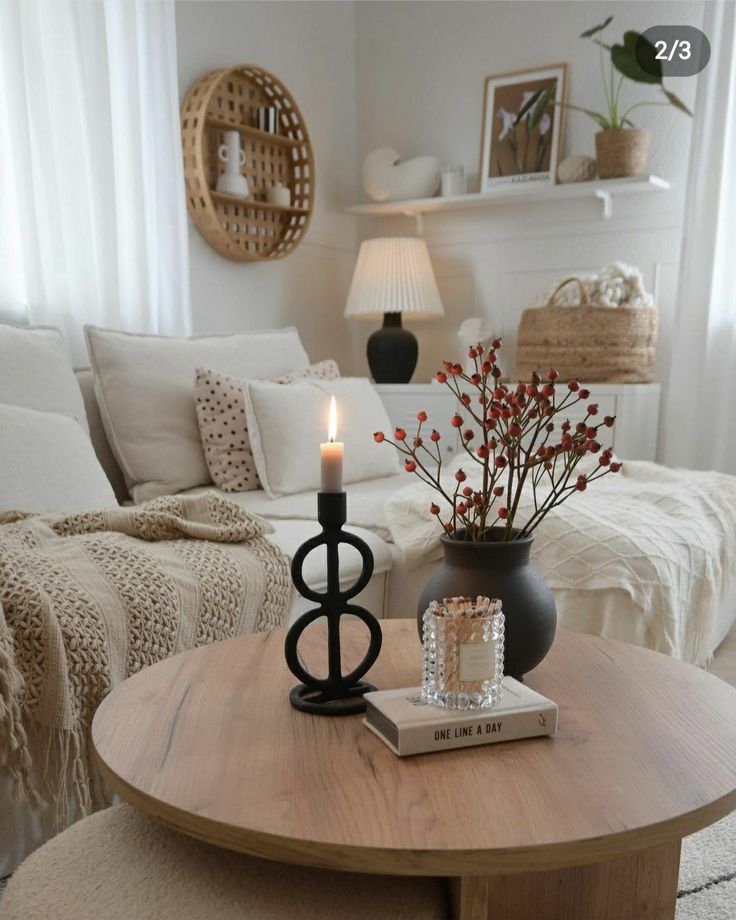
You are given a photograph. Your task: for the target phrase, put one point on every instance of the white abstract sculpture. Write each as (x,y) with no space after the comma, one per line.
(387,178)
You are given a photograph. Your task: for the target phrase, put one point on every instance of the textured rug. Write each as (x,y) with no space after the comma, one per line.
(707,874)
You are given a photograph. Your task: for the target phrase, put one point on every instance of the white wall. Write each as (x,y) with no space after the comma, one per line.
(311,47)
(420,74)
(410,75)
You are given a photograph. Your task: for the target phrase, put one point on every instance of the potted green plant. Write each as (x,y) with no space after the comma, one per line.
(622,149)
(517,439)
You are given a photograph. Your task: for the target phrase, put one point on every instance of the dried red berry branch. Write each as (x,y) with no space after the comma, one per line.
(513,433)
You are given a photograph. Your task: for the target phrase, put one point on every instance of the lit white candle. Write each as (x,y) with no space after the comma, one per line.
(332,452)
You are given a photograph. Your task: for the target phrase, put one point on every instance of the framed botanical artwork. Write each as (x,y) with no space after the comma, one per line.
(522,126)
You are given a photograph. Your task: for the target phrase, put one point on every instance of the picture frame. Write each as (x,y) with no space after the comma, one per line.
(519,151)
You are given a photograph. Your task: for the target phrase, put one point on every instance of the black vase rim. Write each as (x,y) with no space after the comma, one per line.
(451,540)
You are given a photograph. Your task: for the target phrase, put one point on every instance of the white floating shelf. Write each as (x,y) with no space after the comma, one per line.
(603,189)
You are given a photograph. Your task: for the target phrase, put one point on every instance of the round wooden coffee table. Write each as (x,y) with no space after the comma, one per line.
(587,824)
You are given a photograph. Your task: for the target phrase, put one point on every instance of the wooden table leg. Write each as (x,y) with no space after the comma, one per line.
(640,886)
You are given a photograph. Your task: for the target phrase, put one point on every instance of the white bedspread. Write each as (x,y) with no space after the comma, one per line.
(667,537)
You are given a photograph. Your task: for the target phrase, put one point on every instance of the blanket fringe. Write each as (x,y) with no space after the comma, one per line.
(16,758)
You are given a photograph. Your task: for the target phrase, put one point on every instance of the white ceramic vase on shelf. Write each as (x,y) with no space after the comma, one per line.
(231,182)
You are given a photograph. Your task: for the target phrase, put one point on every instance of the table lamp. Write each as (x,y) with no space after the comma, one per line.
(393,275)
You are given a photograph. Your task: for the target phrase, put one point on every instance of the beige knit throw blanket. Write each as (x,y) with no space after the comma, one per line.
(89,599)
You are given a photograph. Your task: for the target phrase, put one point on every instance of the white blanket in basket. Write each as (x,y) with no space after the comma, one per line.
(667,537)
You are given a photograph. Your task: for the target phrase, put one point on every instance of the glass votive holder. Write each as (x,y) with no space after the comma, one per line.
(462,665)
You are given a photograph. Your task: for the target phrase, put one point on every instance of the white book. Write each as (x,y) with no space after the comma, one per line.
(408,725)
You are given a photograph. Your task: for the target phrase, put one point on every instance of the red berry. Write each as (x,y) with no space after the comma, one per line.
(418,442)
(378,436)
(435,436)
(615,467)
(422,416)
(515,430)
(449,527)
(467,491)
(486,367)
(496,343)
(441,377)
(460,476)
(590,432)
(609,420)
(456,421)
(548,389)
(500,462)
(604,459)
(457,369)
(581,485)
(465,399)
(496,372)
(498,491)
(434,509)
(552,374)
(409,466)
(400,434)
(573,386)
(593,409)
(468,434)
(584,394)
(475,379)
(482,451)
(503,513)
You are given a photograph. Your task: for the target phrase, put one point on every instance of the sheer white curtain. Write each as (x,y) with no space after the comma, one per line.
(92,210)
(700,416)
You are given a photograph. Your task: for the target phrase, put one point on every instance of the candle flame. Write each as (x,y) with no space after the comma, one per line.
(332,425)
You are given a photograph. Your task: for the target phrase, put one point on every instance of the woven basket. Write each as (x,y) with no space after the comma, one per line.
(622,152)
(589,342)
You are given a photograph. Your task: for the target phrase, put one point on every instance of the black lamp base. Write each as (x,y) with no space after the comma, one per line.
(392,351)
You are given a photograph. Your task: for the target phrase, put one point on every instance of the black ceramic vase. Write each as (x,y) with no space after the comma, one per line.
(497,569)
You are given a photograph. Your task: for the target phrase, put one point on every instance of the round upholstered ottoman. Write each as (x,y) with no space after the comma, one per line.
(120,865)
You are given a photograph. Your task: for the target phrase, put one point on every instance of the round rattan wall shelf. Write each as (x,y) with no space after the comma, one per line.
(251,229)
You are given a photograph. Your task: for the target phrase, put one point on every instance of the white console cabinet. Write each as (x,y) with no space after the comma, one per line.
(635,405)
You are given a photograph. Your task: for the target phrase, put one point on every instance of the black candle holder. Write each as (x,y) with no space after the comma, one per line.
(337,694)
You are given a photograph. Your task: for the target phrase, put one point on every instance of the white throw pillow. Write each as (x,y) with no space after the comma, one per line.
(35,371)
(220,405)
(144,388)
(287,425)
(48,464)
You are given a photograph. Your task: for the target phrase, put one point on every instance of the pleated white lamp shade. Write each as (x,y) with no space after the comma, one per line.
(393,275)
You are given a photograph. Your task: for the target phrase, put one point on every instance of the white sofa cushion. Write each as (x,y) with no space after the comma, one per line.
(220,404)
(287,425)
(48,464)
(144,389)
(35,371)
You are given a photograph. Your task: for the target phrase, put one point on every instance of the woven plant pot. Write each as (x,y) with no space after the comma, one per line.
(589,342)
(622,152)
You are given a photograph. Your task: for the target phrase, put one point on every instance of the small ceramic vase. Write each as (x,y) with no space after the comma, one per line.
(231,182)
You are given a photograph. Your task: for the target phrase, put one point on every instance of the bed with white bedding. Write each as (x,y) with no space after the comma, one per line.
(647,557)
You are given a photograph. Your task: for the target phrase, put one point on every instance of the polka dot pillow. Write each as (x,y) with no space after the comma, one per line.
(223,427)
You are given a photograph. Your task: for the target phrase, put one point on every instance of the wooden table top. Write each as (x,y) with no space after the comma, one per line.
(207,743)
